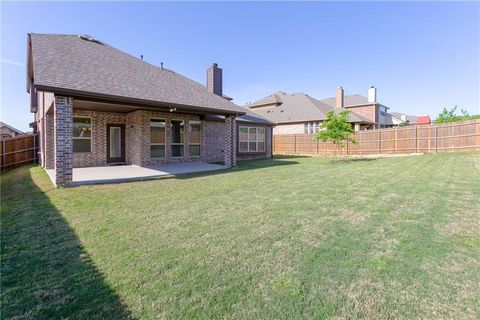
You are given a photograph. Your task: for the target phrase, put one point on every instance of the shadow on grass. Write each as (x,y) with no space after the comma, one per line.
(347,160)
(243,165)
(46,273)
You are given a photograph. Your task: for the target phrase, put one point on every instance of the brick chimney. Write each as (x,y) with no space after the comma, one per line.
(214,80)
(339,98)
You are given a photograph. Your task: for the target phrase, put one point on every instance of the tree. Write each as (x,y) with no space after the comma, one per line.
(336,129)
(452,116)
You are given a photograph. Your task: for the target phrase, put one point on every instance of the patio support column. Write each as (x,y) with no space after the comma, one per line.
(230,153)
(63,126)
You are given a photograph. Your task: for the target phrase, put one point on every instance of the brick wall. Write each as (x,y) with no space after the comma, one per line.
(229,151)
(137,138)
(49,134)
(44,105)
(63,140)
(144,137)
(212,140)
(369,112)
(98,154)
(134,142)
(293,128)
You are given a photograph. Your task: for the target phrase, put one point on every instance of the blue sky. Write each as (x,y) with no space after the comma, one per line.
(421,56)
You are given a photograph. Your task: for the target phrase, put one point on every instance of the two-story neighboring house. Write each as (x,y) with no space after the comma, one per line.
(368,107)
(300,113)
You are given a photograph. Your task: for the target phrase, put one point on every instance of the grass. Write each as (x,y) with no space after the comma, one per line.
(287,238)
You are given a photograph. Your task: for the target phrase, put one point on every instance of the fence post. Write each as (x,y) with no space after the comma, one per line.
(34,149)
(347,147)
(295,143)
(436,138)
(379,141)
(274,149)
(415,139)
(3,154)
(317,146)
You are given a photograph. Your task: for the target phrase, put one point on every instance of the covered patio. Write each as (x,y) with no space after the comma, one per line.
(124,173)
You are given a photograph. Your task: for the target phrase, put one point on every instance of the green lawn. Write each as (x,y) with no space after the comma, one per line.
(271,239)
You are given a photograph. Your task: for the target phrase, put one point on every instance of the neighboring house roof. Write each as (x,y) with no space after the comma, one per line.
(274,98)
(3,124)
(349,100)
(80,65)
(391,119)
(352,100)
(298,107)
(425,119)
(405,117)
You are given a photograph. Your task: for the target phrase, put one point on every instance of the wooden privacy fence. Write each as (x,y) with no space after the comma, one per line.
(460,136)
(18,151)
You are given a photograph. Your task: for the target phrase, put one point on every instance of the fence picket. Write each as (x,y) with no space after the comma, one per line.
(19,150)
(460,136)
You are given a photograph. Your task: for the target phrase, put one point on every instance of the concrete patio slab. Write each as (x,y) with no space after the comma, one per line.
(122,173)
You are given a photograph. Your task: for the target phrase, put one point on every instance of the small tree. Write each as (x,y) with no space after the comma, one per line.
(336,129)
(451,115)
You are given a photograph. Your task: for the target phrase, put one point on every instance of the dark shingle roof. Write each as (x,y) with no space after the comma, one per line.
(274,98)
(68,63)
(410,119)
(298,107)
(249,117)
(3,124)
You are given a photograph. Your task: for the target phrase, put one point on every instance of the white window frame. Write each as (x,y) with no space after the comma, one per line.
(164,144)
(256,139)
(83,138)
(195,144)
(178,144)
(311,127)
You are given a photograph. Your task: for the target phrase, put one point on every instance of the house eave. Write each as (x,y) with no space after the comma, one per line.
(133,101)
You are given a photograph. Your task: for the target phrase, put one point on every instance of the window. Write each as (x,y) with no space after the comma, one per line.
(178,138)
(194,138)
(157,138)
(82,134)
(251,139)
(311,127)
(243,139)
(261,139)
(383,111)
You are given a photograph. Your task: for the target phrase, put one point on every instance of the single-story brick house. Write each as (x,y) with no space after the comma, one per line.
(7,131)
(95,105)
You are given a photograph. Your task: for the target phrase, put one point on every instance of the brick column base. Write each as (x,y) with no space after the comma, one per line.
(229,153)
(63,140)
